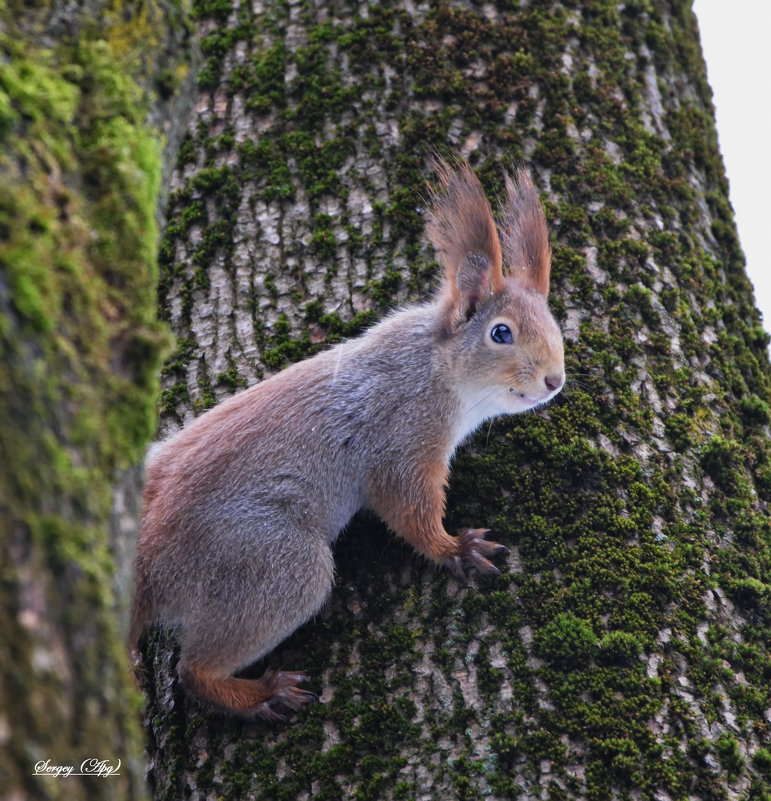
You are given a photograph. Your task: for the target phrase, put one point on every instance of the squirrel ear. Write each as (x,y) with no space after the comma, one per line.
(524,234)
(474,282)
(461,228)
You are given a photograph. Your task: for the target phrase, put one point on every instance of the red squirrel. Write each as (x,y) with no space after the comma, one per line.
(242,506)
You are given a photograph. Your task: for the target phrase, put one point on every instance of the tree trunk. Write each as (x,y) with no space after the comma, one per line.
(89,93)
(624,651)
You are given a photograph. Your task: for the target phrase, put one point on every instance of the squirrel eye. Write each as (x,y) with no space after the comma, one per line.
(501,334)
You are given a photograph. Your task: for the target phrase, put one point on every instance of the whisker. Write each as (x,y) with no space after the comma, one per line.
(485,398)
(575,379)
(489,429)
(571,382)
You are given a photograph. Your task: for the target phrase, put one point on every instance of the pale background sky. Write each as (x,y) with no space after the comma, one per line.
(734,38)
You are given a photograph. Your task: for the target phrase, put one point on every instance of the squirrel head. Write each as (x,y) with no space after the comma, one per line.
(500,337)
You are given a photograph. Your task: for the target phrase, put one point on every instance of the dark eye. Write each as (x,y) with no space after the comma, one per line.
(501,334)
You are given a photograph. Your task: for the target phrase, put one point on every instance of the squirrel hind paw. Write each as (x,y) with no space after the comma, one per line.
(271,697)
(285,695)
(473,551)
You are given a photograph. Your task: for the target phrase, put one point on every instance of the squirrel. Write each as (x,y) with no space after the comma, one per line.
(242,506)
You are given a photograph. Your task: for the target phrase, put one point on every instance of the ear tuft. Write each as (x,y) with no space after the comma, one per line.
(525,235)
(461,228)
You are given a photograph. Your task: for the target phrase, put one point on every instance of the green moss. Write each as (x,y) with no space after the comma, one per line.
(620,647)
(323,241)
(727,748)
(750,592)
(762,760)
(566,641)
(722,459)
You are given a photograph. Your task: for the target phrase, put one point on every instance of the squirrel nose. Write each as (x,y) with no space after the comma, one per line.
(553,382)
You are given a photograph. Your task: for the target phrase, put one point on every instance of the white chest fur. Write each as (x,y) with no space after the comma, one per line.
(476,406)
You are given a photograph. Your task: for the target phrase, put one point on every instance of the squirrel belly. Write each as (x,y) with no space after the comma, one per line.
(242,505)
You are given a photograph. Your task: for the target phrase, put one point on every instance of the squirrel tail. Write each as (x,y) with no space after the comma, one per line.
(460,222)
(142,610)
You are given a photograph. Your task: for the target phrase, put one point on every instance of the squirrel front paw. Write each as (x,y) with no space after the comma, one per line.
(473,550)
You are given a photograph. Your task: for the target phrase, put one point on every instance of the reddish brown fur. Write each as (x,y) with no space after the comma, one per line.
(246,697)
(416,512)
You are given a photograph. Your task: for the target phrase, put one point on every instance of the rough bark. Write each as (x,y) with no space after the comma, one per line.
(624,652)
(92,103)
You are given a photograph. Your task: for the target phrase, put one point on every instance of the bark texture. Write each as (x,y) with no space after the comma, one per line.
(624,652)
(90,93)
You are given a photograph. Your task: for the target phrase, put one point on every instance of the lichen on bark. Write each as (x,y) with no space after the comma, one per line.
(624,651)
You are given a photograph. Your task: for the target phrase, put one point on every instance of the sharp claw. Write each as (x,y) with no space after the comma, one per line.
(474,550)
(455,566)
(286,696)
(294,698)
(483,565)
(287,676)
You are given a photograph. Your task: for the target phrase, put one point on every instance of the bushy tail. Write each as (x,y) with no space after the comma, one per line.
(142,611)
